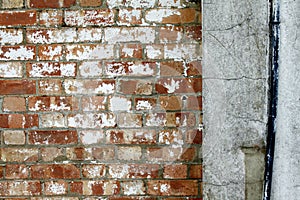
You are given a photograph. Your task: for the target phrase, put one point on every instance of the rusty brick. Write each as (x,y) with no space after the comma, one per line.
(89,17)
(89,3)
(196,171)
(50,87)
(51,69)
(131,51)
(93,171)
(50,18)
(51,3)
(55,171)
(50,52)
(173,187)
(175,171)
(52,103)
(14,104)
(18,120)
(135,87)
(170,102)
(16,18)
(131,136)
(17,52)
(149,171)
(8,87)
(16,172)
(52,137)
(19,154)
(193,137)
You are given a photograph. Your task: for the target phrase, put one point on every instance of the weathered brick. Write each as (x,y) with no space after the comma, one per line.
(131,3)
(50,18)
(132,50)
(194,68)
(94,153)
(50,52)
(20,188)
(119,103)
(93,103)
(193,137)
(182,51)
(11,70)
(167,154)
(51,3)
(136,187)
(52,35)
(171,16)
(130,17)
(194,33)
(145,104)
(91,137)
(17,52)
(170,3)
(12,137)
(93,171)
(154,51)
(148,171)
(130,120)
(52,103)
(14,104)
(89,35)
(54,171)
(50,87)
(90,2)
(18,120)
(51,154)
(17,87)
(175,171)
(90,120)
(142,87)
(52,120)
(11,36)
(173,187)
(89,51)
(171,68)
(171,34)
(170,136)
(52,137)
(101,187)
(50,69)
(16,172)
(18,18)
(89,17)
(90,69)
(12,3)
(129,34)
(19,154)
(59,187)
(129,153)
(95,86)
(131,136)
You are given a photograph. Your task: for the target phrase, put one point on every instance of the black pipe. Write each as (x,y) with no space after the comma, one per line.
(274,65)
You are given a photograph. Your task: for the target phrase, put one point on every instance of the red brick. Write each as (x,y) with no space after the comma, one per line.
(131,198)
(170,136)
(170,102)
(96,86)
(196,171)
(52,103)
(76,187)
(50,69)
(17,52)
(149,171)
(15,18)
(16,172)
(14,104)
(89,17)
(90,3)
(56,171)
(154,51)
(95,153)
(194,32)
(91,120)
(171,34)
(130,120)
(135,87)
(52,137)
(194,68)
(51,3)
(175,171)
(178,16)
(109,187)
(52,154)
(18,120)
(173,187)
(145,104)
(194,137)
(8,87)
(51,35)
(179,85)
(171,68)
(194,102)
(171,154)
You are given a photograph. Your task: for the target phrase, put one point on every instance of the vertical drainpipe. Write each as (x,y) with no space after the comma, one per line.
(274,65)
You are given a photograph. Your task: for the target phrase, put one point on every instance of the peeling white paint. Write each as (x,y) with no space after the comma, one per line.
(11,36)
(143,105)
(172,86)
(120,104)
(10,69)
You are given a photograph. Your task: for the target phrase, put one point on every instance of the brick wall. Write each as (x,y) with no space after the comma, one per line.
(100,99)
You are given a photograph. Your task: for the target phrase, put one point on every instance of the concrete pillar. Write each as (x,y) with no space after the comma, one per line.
(286,170)
(235,79)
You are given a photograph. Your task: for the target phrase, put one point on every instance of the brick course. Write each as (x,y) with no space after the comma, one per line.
(100,99)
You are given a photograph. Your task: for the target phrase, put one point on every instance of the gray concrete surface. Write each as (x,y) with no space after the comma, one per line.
(235,73)
(286,170)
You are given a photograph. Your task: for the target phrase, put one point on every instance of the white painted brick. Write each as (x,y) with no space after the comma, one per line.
(9,69)
(11,36)
(86,52)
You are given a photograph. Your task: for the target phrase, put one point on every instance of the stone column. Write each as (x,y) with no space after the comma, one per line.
(235,78)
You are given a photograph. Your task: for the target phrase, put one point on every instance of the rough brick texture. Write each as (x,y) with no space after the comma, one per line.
(100,100)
